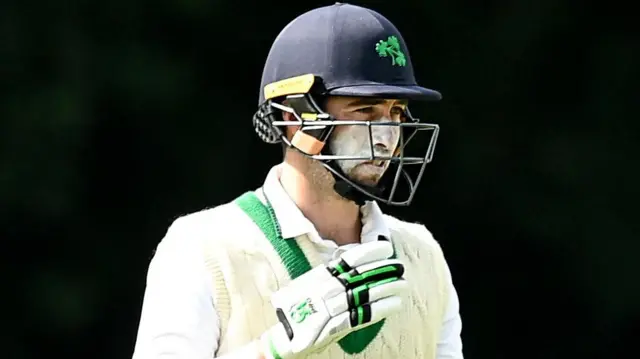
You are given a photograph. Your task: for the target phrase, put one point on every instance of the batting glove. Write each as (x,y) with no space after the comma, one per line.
(330,301)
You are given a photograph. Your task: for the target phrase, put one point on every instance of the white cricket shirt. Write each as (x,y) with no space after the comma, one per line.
(178,318)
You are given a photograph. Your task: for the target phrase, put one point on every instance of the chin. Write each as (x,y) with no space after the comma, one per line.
(367,174)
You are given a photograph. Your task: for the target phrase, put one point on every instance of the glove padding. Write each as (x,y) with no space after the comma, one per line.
(330,301)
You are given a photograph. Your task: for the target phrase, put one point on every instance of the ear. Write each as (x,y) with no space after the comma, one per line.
(287,116)
(290,130)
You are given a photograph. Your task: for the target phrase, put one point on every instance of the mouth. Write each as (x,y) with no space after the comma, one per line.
(375,163)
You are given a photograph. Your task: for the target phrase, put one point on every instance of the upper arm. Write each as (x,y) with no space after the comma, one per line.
(450,342)
(178,319)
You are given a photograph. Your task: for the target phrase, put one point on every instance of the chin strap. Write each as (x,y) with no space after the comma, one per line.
(346,191)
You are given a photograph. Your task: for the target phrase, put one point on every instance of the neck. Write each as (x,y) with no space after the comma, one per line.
(333,217)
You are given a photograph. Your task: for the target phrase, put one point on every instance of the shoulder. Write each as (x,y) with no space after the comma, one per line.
(416,245)
(220,218)
(213,223)
(224,226)
(411,234)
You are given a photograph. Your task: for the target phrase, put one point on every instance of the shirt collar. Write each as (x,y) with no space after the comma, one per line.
(293,223)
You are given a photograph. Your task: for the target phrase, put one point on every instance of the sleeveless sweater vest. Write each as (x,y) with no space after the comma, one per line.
(249,260)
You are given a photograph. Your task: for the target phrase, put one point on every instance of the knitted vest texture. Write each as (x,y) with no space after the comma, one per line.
(252,260)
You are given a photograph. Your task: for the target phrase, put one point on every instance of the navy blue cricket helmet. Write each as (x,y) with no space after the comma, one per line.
(342,50)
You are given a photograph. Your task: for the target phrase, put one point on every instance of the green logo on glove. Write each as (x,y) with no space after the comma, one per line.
(301,311)
(391,47)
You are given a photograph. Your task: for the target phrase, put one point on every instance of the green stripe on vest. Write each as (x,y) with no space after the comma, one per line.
(297,264)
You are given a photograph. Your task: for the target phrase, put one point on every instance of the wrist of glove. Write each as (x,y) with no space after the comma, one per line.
(330,301)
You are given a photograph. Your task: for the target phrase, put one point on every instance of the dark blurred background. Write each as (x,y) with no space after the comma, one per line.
(118,116)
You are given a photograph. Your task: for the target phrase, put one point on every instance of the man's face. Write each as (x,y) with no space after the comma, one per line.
(354,140)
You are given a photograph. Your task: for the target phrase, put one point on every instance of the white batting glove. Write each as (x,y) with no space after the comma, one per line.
(328,302)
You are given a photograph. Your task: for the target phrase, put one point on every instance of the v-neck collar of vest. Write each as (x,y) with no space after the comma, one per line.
(296,263)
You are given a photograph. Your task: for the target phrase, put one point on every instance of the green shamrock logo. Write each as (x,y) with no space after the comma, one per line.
(391,47)
(301,311)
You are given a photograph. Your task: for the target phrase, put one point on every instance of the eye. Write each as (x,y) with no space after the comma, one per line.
(397,113)
(366,110)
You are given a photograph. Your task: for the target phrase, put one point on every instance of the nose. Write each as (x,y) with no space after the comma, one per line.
(380,147)
(385,139)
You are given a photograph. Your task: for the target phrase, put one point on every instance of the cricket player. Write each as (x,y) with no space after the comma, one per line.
(307,265)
